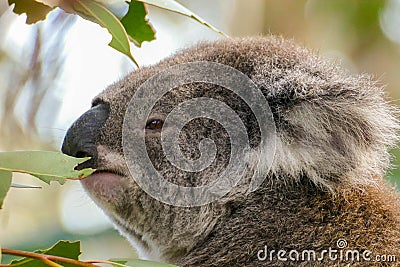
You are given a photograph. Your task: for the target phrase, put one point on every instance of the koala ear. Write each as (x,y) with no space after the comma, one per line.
(333,131)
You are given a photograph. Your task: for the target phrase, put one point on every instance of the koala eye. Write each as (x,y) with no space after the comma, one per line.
(155,124)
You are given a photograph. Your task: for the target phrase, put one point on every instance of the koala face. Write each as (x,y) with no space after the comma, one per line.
(333,130)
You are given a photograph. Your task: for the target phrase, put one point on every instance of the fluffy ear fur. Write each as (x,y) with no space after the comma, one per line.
(332,126)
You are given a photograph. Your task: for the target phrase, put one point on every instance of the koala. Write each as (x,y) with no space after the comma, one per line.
(324,200)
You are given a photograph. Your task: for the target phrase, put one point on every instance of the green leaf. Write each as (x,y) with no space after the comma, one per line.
(65,249)
(174,6)
(5,183)
(139,263)
(137,25)
(35,11)
(108,20)
(45,165)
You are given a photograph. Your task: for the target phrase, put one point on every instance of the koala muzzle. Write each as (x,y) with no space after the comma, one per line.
(82,137)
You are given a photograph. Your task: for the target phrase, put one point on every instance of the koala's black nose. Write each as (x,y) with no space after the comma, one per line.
(82,137)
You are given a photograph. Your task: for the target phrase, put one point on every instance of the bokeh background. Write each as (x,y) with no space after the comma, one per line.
(49,72)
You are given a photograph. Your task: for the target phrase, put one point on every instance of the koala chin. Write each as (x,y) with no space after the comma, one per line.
(325,193)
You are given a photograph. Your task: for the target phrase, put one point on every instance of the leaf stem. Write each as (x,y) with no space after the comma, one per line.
(47,259)
(107,262)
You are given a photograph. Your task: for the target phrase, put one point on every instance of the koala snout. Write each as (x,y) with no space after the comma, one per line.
(82,137)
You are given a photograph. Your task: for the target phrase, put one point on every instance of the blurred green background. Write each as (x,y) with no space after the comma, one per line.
(50,71)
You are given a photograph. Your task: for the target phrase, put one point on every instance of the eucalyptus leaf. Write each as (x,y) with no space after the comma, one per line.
(176,7)
(139,263)
(5,183)
(64,249)
(106,19)
(45,165)
(35,11)
(137,25)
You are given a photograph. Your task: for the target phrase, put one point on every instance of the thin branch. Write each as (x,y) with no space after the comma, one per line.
(50,263)
(107,262)
(48,259)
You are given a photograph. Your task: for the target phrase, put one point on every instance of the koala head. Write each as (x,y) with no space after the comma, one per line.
(332,130)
